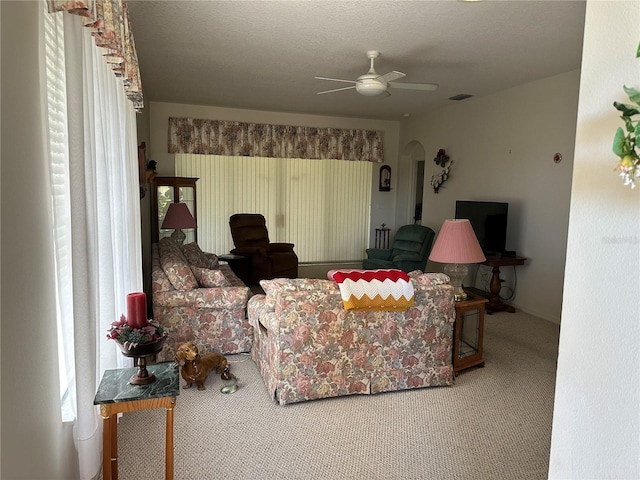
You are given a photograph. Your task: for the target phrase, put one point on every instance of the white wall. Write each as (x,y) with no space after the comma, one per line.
(596,420)
(35,443)
(502,147)
(382,203)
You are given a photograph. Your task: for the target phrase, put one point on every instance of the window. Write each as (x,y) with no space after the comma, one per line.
(322,206)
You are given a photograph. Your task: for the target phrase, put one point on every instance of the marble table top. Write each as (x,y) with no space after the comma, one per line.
(115,386)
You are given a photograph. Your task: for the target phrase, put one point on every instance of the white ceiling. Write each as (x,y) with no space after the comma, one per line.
(264,55)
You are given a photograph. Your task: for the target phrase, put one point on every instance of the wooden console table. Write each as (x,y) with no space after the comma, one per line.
(116,395)
(495,302)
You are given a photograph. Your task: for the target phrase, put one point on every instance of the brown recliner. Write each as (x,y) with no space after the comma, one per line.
(267,260)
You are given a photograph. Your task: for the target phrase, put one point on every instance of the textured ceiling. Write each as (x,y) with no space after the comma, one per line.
(264,55)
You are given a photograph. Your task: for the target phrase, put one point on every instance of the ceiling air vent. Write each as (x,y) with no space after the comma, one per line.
(460,96)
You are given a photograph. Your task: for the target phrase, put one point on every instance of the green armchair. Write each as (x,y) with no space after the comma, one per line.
(409,251)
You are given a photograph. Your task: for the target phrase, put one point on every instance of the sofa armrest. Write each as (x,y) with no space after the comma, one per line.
(379,253)
(250,251)
(261,312)
(438,300)
(281,247)
(411,257)
(222,298)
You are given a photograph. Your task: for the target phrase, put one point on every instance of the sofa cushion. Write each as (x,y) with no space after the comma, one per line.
(196,257)
(210,278)
(271,287)
(175,265)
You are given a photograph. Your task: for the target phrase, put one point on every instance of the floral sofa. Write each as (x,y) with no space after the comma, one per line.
(307,346)
(196,299)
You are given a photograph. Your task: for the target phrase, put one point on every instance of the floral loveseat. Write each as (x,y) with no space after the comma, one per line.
(307,346)
(196,299)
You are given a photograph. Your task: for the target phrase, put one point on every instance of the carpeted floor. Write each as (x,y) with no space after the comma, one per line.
(494,423)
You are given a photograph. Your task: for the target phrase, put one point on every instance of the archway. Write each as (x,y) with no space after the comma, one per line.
(412,160)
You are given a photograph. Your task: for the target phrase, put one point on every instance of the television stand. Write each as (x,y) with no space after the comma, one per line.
(495,302)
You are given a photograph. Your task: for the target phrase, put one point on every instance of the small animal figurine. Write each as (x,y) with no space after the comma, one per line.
(195,368)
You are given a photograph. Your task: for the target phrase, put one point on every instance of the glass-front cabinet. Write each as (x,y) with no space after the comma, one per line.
(168,190)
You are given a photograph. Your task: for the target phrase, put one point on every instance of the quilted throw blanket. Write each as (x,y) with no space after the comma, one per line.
(383,289)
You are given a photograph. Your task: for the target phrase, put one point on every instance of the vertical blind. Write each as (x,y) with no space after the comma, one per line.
(56,132)
(322,206)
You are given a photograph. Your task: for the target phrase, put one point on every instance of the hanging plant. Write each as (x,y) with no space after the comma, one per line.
(443,161)
(626,143)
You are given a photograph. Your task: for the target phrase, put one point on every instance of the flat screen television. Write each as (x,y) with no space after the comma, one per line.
(489,221)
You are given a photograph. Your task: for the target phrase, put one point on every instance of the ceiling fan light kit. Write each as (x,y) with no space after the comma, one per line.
(372,84)
(371,88)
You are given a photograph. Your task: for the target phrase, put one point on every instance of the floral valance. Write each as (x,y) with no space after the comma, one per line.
(109,20)
(220,137)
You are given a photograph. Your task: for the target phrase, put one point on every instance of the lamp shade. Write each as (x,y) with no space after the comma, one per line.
(457,243)
(178,216)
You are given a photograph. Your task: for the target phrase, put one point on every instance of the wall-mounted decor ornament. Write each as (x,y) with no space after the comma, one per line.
(444,162)
(626,145)
(385,179)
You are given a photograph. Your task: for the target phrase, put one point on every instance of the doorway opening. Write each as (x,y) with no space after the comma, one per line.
(417,216)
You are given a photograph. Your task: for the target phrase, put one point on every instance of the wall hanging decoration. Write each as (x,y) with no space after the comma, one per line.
(385,178)
(444,162)
(626,142)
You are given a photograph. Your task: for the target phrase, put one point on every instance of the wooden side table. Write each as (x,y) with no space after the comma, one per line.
(116,395)
(468,332)
(239,264)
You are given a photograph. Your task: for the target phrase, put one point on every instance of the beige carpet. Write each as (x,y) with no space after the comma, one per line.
(494,423)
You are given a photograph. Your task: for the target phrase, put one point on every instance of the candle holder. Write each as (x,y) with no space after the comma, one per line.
(140,353)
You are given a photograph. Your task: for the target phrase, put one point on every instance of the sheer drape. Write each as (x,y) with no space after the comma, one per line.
(98,225)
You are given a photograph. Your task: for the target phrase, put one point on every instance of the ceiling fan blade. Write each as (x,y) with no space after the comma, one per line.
(413,86)
(336,90)
(335,79)
(393,75)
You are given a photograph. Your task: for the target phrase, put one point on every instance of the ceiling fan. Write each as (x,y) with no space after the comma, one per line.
(372,84)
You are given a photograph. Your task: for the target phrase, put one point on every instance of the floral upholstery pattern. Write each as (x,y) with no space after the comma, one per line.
(196,257)
(213,318)
(210,278)
(175,265)
(307,346)
(428,280)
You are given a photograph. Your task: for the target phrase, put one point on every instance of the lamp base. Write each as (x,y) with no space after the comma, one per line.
(457,272)
(178,236)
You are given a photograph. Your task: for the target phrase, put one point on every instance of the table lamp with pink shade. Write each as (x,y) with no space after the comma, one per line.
(457,245)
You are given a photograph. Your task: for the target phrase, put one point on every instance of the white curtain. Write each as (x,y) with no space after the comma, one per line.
(95,216)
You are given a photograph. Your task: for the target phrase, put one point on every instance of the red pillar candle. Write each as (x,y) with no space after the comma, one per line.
(137,309)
